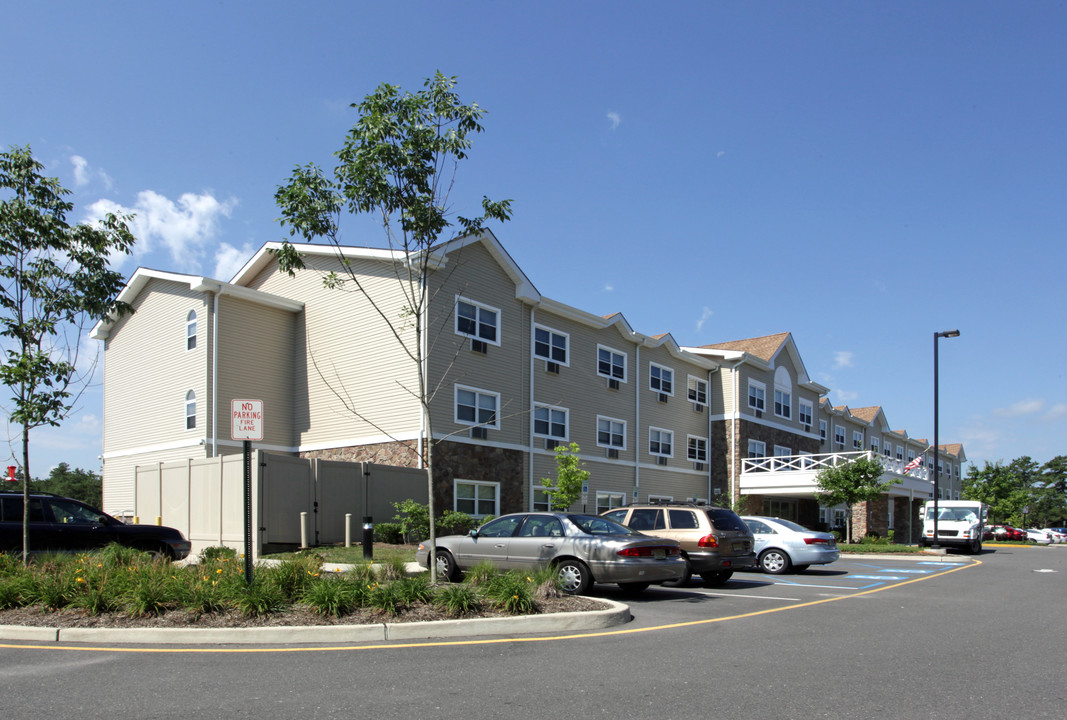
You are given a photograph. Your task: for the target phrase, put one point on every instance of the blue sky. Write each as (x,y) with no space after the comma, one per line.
(859,174)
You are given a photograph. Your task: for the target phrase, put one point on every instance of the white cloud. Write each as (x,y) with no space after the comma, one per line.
(704,317)
(842,359)
(81,170)
(615,119)
(1056,412)
(609,288)
(720,153)
(229,259)
(1023,407)
(184,227)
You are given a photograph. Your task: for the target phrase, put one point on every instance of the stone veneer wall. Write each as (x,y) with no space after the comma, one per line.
(397,454)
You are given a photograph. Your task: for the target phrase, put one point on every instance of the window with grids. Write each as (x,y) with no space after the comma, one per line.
(606,500)
(476,498)
(610,433)
(190,410)
(190,330)
(697,390)
(550,344)
(806,412)
(660,379)
(660,442)
(783,404)
(476,407)
(839,435)
(857,439)
(477,321)
(697,448)
(822,430)
(757,395)
(610,363)
(757,449)
(550,422)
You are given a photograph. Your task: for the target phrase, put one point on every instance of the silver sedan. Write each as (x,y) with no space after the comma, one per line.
(782,544)
(583,548)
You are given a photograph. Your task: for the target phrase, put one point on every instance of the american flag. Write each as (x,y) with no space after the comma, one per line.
(913,464)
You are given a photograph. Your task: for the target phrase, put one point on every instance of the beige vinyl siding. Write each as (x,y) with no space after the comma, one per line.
(255,361)
(344,352)
(579,388)
(676,484)
(603,475)
(676,414)
(474,274)
(148,371)
(119,476)
(721,391)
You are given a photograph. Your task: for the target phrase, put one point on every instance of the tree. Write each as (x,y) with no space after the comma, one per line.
(851,483)
(565,490)
(997,486)
(54,278)
(398,163)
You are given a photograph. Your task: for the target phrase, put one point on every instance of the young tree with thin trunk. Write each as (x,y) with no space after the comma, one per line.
(398,163)
(54,279)
(851,483)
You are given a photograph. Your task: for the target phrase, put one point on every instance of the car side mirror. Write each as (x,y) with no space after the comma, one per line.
(473,533)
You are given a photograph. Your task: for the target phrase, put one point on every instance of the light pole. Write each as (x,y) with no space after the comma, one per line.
(937,455)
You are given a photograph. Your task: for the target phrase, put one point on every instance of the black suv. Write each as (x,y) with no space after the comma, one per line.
(59,524)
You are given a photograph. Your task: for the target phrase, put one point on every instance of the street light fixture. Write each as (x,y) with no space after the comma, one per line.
(937,451)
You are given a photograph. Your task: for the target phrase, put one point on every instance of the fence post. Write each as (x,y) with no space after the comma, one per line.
(348,529)
(303,530)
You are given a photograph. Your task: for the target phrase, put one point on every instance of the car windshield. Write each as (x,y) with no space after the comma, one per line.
(596,525)
(724,519)
(791,525)
(952,513)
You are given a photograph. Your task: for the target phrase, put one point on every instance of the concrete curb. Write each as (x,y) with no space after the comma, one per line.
(615,614)
(929,556)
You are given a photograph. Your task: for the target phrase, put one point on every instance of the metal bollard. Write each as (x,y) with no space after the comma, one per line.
(368,537)
(348,530)
(303,530)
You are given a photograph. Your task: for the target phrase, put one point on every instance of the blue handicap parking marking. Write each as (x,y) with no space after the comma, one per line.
(913,572)
(877,577)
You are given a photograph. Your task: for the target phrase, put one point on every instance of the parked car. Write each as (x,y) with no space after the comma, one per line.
(1014,534)
(1041,537)
(714,540)
(61,524)
(585,549)
(1058,534)
(783,544)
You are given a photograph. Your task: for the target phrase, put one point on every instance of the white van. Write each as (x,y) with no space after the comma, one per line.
(959,524)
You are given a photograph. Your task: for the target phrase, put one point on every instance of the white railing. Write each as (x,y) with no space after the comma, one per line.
(814,463)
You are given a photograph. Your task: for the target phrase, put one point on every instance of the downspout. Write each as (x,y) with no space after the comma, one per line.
(214,375)
(708,398)
(530,407)
(734,498)
(424,350)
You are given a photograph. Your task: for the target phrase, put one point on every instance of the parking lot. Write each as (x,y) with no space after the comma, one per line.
(750,592)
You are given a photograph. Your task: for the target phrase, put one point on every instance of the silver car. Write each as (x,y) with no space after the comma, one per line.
(584,548)
(782,544)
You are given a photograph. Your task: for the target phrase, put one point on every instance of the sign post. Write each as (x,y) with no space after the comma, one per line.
(246,418)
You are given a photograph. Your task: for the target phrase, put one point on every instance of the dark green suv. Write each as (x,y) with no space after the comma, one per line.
(60,524)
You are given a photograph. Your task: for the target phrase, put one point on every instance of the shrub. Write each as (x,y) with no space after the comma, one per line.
(331,596)
(481,573)
(295,575)
(415,589)
(389,533)
(414,520)
(150,592)
(458,600)
(217,552)
(385,598)
(259,599)
(392,569)
(455,523)
(512,591)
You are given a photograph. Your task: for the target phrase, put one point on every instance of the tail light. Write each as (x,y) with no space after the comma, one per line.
(708,541)
(816,541)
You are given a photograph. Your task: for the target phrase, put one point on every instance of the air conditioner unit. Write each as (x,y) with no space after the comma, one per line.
(699,466)
(663,397)
(697,407)
(479,433)
(613,384)
(661,460)
(552,367)
(551,444)
(479,346)
(613,453)
(759,413)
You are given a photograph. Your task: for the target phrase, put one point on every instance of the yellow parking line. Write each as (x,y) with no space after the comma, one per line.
(491,641)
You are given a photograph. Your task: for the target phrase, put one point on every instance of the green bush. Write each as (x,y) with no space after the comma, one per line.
(455,523)
(217,552)
(512,590)
(295,575)
(332,596)
(458,600)
(414,520)
(259,599)
(388,533)
(416,589)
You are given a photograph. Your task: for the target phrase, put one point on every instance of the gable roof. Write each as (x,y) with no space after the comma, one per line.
(762,352)
(765,348)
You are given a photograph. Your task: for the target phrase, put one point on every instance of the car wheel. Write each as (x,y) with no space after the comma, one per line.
(158,552)
(446,566)
(774,561)
(716,578)
(800,568)
(682,581)
(632,588)
(574,577)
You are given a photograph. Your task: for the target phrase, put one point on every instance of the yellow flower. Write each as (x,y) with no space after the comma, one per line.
(218,571)
(81,580)
(515,596)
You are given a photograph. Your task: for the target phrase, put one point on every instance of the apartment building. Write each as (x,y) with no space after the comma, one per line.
(511,374)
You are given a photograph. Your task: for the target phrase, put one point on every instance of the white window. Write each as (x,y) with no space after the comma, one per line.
(476,498)
(839,435)
(698,448)
(783,393)
(783,404)
(698,390)
(660,379)
(874,445)
(822,430)
(900,452)
(610,363)
(190,330)
(477,321)
(660,499)
(757,395)
(609,500)
(857,439)
(551,344)
(550,422)
(780,451)
(190,410)
(888,449)
(540,500)
(757,449)
(476,407)
(807,412)
(610,433)
(660,442)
